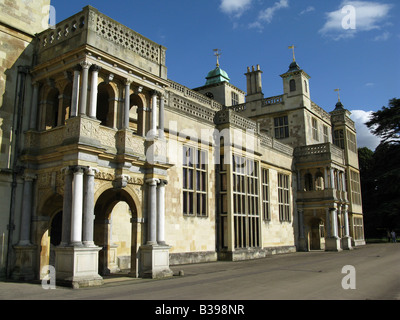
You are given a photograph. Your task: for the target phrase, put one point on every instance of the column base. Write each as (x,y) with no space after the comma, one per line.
(155,262)
(24,269)
(78,266)
(303,245)
(346,243)
(332,244)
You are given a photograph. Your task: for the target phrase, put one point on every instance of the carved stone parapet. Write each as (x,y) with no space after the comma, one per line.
(128,143)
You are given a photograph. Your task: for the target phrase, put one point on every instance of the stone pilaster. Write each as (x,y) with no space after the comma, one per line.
(67,208)
(25,251)
(161,212)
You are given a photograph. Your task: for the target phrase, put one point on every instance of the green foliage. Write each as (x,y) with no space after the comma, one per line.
(385,123)
(380,172)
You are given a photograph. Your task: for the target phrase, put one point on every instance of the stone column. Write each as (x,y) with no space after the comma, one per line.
(346,221)
(334,222)
(76,91)
(154,262)
(88,208)
(344,187)
(328,224)
(332,174)
(302,240)
(161,118)
(333,242)
(152,211)
(153,124)
(25,231)
(326,178)
(127,102)
(34,108)
(161,212)
(85,77)
(77,207)
(66,216)
(25,264)
(346,240)
(60,119)
(93,91)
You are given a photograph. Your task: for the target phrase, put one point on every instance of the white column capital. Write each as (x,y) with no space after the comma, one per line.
(90,171)
(29,177)
(85,64)
(152,181)
(95,68)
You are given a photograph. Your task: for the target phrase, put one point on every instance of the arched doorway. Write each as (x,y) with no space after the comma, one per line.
(317,235)
(51,109)
(116,232)
(50,231)
(136,116)
(105,104)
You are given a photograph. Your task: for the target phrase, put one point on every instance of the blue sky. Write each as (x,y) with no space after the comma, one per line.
(351,45)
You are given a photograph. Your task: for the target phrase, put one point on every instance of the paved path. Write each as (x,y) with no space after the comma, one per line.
(297,276)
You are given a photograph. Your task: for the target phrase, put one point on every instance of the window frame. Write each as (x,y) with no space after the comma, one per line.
(234,98)
(338,138)
(284,197)
(355,188)
(292,85)
(314,125)
(195,182)
(265,194)
(246,197)
(281,127)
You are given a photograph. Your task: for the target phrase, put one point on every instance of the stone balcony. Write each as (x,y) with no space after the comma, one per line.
(85,132)
(326,152)
(92,29)
(327,195)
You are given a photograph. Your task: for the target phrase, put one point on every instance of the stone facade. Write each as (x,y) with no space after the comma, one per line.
(119,168)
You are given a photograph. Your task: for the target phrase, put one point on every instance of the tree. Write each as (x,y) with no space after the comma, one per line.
(385,123)
(368,187)
(380,171)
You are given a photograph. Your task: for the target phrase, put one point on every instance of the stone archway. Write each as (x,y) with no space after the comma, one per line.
(115,209)
(49,233)
(317,234)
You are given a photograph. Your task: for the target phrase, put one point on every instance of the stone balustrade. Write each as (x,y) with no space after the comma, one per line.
(325,151)
(85,131)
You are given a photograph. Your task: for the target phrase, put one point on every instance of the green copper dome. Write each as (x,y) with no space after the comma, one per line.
(294,67)
(216,76)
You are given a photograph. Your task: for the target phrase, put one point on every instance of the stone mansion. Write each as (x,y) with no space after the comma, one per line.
(109,166)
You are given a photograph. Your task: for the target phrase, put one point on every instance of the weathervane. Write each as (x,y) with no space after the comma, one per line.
(294,57)
(338,92)
(217,53)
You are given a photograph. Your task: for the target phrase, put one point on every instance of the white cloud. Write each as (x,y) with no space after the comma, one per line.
(307,10)
(364,136)
(268,14)
(357,16)
(383,37)
(235,7)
